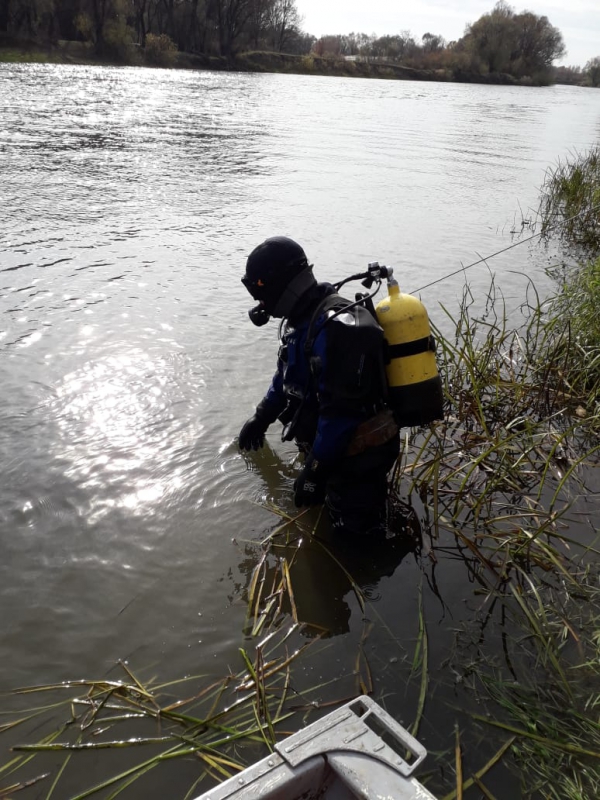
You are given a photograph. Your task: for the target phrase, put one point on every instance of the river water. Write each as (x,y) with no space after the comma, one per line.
(130,198)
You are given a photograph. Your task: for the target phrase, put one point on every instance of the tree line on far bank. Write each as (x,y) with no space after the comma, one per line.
(208,27)
(502,42)
(522,45)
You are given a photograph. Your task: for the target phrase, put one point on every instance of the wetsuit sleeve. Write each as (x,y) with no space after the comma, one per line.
(273,403)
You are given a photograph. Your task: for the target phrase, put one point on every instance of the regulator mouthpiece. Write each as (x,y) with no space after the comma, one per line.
(258,316)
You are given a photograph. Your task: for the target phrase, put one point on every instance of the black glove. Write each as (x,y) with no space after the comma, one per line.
(252,435)
(309,486)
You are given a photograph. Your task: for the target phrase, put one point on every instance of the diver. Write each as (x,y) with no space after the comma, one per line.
(329,389)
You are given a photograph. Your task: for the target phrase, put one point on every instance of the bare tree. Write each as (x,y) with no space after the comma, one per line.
(4,15)
(232,17)
(432,43)
(285,21)
(592,69)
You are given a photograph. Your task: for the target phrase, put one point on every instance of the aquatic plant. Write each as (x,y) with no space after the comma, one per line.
(570,203)
(571,341)
(191,717)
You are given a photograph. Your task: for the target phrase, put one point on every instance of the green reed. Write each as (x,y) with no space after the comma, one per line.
(570,203)
(192,717)
(571,328)
(556,726)
(503,475)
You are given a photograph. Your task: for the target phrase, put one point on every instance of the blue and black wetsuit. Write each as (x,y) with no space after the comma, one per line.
(331,395)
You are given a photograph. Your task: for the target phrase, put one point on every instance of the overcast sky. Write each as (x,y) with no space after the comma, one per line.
(577,20)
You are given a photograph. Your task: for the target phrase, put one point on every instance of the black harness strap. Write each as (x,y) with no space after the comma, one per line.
(326,304)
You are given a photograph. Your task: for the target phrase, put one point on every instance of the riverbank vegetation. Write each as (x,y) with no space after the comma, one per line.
(589,75)
(570,199)
(502,46)
(512,476)
(506,487)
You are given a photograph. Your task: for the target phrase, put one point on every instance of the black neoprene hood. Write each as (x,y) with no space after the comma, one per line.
(273,267)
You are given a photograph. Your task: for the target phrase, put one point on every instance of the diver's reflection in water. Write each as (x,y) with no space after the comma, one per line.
(325,568)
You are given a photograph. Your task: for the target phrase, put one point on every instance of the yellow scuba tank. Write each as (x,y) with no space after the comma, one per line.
(414,385)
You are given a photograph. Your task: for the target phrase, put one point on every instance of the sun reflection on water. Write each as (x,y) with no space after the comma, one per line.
(121,432)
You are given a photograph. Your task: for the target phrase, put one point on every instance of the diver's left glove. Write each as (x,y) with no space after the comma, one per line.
(310,485)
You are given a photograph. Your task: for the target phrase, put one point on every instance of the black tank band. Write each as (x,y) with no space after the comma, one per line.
(410,348)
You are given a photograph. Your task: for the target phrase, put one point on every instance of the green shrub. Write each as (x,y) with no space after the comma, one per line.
(117,41)
(160,51)
(308,63)
(85,26)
